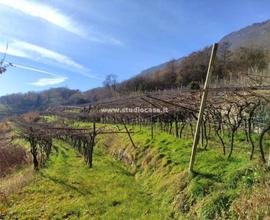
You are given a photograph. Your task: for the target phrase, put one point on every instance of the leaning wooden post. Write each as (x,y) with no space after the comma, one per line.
(202,106)
(130,138)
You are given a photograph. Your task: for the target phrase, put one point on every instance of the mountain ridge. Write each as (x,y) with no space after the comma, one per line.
(255,35)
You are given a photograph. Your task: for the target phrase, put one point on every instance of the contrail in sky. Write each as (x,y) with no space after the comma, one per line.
(34,69)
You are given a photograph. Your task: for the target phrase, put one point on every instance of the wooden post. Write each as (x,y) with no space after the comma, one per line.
(130,138)
(268,163)
(140,122)
(176,127)
(202,106)
(90,147)
(152,127)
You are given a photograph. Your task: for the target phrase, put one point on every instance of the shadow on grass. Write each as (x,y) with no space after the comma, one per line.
(64,154)
(66,184)
(206,175)
(119,168)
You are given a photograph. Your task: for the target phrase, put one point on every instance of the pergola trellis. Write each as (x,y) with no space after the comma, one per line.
(40,137)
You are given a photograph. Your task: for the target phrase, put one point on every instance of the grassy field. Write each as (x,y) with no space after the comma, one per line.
(216,190)
(147,182)
(68,189)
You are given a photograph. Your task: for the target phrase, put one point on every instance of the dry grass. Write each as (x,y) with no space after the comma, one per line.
(12,155)
(14,183)
(253,204)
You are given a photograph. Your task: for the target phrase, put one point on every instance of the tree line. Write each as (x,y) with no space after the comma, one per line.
(188,72)
(191,70)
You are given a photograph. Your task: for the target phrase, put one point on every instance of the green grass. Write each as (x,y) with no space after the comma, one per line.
(68,189)
(208,193)
(151,181)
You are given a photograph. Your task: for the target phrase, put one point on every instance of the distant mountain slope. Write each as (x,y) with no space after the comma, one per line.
(157,77)
(255,35)
(16,104)
(154,69)
(34,101)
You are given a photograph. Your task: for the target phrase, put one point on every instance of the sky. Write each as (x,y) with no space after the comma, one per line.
(75,44)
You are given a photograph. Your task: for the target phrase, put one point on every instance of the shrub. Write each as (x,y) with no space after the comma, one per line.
(11,157)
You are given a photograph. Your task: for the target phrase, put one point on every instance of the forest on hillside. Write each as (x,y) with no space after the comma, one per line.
(232,67)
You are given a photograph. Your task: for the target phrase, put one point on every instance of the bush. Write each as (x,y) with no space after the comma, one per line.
(11,157)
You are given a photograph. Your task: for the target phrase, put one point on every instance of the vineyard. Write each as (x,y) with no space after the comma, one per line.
(151,134)
(228,111)
(233,133)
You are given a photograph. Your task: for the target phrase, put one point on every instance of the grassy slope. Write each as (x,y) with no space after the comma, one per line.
(161,165)
(212,192)
(68,189)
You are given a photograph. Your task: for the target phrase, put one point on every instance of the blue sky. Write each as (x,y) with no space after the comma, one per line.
(76,44)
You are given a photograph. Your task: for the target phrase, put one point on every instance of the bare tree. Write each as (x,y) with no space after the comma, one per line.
(224,63)
(234,117)
(110,81)
(3,64)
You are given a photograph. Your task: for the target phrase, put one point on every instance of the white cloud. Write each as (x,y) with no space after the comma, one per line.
(46,13)
(34,52)
(13,51)
(55,17)
(37,52)
(49,81)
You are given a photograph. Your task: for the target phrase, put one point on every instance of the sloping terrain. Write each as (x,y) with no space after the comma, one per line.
(67,189)
(256,35)
(146,182)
